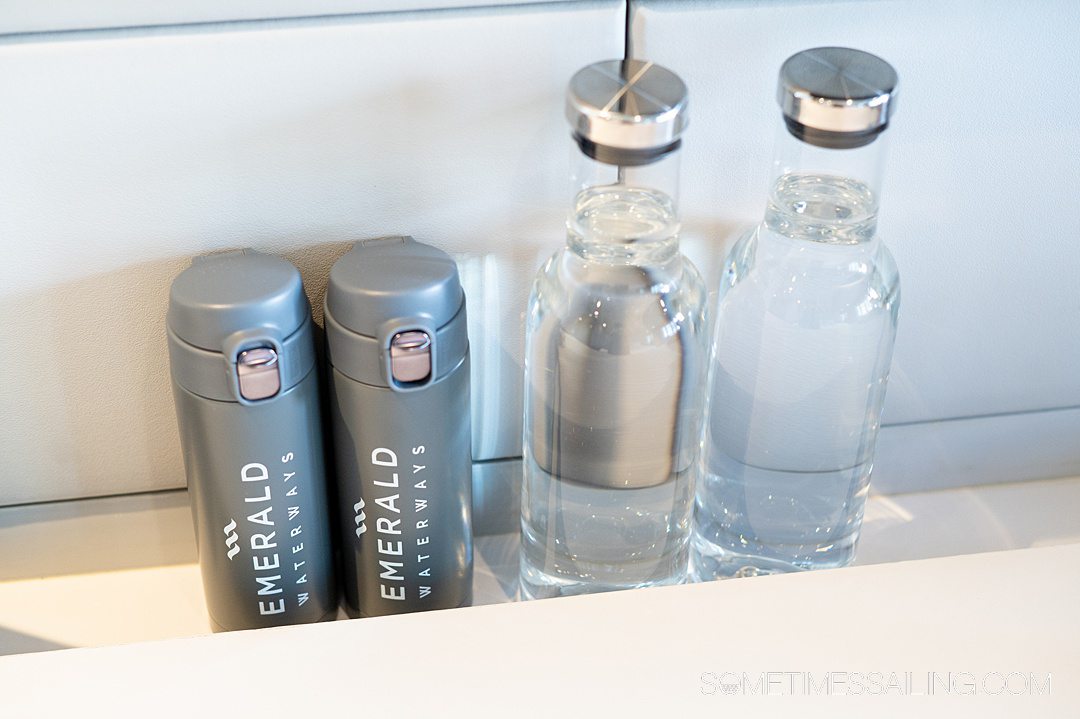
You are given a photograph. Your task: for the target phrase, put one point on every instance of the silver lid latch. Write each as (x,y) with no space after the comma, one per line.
(258,373)
(410,356)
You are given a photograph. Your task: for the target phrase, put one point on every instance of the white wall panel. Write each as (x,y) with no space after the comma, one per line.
(980,198)
(979,450)
(124,154)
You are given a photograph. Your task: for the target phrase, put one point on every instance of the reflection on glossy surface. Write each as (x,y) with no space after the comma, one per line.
(153,600)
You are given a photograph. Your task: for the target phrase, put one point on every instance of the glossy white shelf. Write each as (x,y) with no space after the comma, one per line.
(122,569)
(986,635)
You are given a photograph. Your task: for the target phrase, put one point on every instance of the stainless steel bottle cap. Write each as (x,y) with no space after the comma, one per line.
(836,96)
(627,112)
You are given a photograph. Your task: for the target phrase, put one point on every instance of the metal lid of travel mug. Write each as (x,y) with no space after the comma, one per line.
(837,97)
(627,112)
(395,314)
(239,327)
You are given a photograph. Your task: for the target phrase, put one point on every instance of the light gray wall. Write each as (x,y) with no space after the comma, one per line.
(123,153)
(979,206)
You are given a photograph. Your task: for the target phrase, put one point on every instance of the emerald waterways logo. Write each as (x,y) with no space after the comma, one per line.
(361,527)
(231,539)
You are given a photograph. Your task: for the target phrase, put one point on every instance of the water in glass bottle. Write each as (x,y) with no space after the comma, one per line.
(614,352)
(804,335)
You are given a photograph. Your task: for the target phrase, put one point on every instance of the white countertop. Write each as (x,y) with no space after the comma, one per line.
(122,569)
(986,635)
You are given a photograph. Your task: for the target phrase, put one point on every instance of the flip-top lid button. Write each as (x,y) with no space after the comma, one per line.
(410,356)
(259,374)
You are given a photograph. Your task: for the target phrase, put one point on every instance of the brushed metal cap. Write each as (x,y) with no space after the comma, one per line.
(633,110)
(837,96)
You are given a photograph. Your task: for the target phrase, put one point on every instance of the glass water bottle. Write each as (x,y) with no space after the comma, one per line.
(804,335)
(615,355)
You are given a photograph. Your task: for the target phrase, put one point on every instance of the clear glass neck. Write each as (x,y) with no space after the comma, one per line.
(624,213)
(822,194)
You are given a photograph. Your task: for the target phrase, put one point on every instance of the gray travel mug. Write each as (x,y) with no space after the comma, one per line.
(247,401)
(399,389)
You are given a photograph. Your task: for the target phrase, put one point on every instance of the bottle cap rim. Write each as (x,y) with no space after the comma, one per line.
(628,104)
(837,90)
